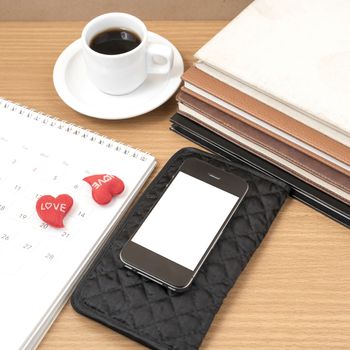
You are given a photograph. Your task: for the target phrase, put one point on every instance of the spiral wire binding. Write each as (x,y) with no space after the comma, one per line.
(74,129)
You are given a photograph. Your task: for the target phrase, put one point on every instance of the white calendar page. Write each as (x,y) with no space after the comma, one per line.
(39,264)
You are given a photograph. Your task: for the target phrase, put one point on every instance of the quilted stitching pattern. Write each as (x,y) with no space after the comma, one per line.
(153,315)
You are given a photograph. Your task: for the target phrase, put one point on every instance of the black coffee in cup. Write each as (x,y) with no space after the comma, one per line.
(115,41)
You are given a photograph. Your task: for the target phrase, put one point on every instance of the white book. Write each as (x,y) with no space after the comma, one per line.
(39,264)
(293,56)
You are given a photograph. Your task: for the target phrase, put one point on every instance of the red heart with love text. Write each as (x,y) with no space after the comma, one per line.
(53,210)
(104,187)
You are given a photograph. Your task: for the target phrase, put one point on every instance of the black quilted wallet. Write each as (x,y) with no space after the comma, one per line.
(153,315)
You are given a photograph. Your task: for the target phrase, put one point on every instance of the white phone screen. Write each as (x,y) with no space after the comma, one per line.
(185,221)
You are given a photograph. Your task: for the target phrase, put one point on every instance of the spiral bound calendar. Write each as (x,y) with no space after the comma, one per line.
(39,264)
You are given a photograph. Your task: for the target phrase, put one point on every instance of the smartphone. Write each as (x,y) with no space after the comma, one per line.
(176,236)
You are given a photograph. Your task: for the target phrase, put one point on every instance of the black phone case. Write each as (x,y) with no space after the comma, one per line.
(153,315)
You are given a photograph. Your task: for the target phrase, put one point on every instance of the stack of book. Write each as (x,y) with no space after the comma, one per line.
(273,89)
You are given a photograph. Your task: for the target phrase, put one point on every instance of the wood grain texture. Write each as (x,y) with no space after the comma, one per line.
(295,292)
(80,10)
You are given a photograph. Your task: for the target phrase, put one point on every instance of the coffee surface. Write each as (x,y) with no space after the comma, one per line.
(115,41)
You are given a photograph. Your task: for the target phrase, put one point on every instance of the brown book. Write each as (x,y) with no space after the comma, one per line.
(268,120)
(298,163)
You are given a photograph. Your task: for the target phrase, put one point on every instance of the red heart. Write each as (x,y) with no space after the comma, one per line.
(104,187)
(53,210)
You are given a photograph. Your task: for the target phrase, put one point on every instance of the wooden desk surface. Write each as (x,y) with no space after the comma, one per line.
(295,292)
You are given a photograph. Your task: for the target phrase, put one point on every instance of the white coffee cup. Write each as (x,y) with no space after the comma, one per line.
(122,73)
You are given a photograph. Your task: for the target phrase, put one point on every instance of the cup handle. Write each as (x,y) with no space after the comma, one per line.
(160,59)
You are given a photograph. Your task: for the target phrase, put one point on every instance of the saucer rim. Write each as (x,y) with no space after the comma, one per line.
(64,92)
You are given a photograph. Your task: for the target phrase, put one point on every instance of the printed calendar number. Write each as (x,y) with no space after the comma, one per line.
(49,256)
(44,225)
(27,246)
(65,234)
(23,216)
(17,188)
(5,237)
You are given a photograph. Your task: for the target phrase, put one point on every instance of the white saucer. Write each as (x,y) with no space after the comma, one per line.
(76,90)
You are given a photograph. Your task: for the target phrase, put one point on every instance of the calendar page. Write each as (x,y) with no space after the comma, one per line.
(39,264)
